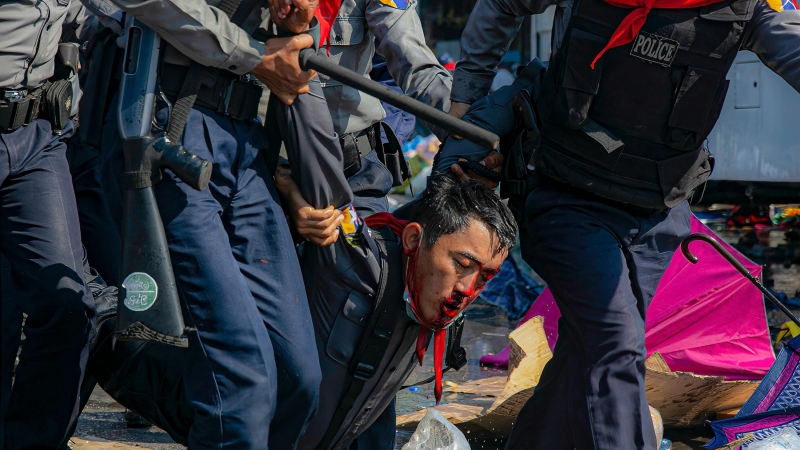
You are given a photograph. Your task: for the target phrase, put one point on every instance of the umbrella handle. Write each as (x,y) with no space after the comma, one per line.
(736,264)
(718,247)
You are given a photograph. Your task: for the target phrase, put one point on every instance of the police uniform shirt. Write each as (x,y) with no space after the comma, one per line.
(30,32)
(773,36)
(393,29)
(197,30)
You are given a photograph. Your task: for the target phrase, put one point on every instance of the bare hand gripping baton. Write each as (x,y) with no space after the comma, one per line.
(309,60)
(149,307)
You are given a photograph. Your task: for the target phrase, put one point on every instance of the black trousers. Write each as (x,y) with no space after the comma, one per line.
(603,265)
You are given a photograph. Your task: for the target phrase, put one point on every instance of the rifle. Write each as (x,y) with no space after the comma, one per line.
(149,307)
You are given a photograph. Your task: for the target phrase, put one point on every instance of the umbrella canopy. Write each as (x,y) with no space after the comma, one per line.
(705,318)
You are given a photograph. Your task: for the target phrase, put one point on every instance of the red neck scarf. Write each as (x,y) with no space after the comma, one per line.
(326,13)
(439,335)
(633,22)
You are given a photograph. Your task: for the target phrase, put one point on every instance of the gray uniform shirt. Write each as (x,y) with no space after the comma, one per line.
(773,36)
(29,30)
(196,29)
(364,27)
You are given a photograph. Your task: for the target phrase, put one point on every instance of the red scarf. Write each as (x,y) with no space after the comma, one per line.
(397,226)
(326,13)
(633,22)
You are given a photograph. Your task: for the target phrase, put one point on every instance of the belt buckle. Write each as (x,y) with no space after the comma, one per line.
(15,95)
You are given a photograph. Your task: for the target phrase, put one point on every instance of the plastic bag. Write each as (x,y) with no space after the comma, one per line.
(434,432)
(658,424)
(787,439)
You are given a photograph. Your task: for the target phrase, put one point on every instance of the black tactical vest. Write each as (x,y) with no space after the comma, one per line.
(632,130)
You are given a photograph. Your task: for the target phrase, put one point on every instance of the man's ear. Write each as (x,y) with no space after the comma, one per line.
(412,237)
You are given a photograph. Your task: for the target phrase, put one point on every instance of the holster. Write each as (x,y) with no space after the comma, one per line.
(63,92)
(518,149)
(391,153)
(355,146)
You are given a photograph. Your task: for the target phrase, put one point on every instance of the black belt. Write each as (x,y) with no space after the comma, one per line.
(354,147)
(229,94)
(636,210)
(19,107)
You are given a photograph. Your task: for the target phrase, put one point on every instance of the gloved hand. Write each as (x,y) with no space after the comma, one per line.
(458,109)
(495,113)
(492,163)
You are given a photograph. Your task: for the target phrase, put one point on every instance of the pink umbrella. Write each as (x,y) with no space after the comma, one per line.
(705,318)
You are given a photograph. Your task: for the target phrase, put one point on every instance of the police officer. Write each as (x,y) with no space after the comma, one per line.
(392,29)
(248,377)
(39,222)
(630,95)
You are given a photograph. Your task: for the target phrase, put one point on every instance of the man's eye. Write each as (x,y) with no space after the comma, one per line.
(459,264)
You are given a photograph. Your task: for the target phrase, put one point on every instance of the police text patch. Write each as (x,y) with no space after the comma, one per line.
(654,49)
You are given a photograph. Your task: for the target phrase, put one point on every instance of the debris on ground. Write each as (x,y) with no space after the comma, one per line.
(95,443)
(436,433)
(487,408)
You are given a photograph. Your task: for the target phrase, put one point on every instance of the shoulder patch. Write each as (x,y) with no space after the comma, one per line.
(399,4)
(783,5)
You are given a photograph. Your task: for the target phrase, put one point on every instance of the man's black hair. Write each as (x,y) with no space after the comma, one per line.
(448,205)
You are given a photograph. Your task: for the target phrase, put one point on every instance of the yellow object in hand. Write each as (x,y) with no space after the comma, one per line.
(776,5)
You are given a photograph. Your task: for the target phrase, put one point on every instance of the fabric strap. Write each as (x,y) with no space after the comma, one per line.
(200,75)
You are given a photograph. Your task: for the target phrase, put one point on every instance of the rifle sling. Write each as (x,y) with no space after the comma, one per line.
(200,75)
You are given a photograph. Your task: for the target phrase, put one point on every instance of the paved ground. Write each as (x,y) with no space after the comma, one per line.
(103,418)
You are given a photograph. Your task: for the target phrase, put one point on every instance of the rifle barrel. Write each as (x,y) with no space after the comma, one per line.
(309,60)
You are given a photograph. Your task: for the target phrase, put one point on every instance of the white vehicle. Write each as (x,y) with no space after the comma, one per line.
(756,142)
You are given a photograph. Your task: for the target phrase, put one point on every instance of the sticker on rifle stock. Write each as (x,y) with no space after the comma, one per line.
(654,49)
(141,291)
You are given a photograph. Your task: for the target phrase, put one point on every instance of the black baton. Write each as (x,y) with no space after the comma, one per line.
(309,60)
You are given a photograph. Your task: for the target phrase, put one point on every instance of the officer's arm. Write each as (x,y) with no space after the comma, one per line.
(492,26)
(199,31)
(401,42)
(775,38)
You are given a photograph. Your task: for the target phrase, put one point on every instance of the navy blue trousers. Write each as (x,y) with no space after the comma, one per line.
(251,374)
(603,266)
(99,234)
(40,238)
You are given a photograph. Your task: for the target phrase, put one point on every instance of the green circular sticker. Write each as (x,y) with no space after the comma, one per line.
(141,291)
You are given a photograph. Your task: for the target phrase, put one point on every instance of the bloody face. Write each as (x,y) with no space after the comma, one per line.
(445,278)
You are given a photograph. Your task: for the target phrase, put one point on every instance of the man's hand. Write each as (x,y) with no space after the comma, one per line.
(280,69)
(457,110)
(293,15)
(493,162)
(318,226)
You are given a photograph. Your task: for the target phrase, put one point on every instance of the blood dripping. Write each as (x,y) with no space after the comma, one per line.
(439,343)
(449,308)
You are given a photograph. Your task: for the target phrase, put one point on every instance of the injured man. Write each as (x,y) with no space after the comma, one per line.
(379,295)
